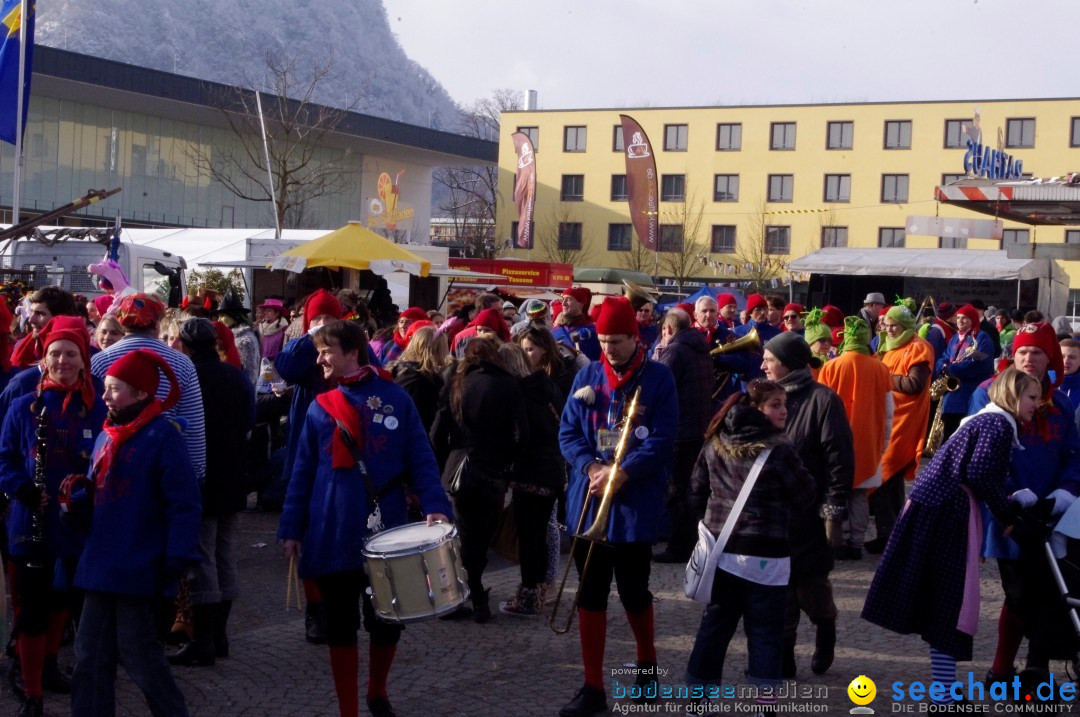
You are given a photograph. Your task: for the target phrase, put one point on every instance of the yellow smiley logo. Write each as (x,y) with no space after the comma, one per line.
(862,690)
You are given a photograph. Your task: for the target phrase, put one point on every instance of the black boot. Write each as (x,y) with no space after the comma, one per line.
(646,680)
(824,647)
(221,635)
(32,707)
(200,650)
(315,623)
(587,702)
(788,667)
(481,609)
(53,678)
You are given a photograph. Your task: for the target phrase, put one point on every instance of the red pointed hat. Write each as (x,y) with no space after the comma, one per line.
(414,313)
(580,293)
(139,368)
(617,316)
(754,301)
(723,300)
(321,302)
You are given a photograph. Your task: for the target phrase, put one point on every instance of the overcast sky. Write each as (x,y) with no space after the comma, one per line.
(621,53)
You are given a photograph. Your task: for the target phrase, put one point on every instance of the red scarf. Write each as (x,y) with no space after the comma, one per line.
(27,352)
(83,386)
(117,436)
(343,412)
(400,340)
(618,380)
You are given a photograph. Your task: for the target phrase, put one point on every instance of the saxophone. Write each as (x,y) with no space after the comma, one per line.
(37,518)
(938,389)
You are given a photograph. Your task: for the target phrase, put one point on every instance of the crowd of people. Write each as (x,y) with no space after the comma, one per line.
(783,428)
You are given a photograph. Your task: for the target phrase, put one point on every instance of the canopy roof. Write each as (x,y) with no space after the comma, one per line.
(1032,201)
(586,275)
(927,263)
(352,247)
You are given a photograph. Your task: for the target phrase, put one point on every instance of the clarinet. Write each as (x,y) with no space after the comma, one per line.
(37,518)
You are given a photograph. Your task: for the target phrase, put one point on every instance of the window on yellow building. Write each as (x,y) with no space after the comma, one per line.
(952,242)
(726,188)
(570,236)
(1020,132)
(617,139)
(956,136)
(619,192)
(673,188)
(723,239)
(777,240)
(894,188)
(898,134)
(574,139)
(1015,236)
(671,237)
(832,237)
(891,237)
(837,187)
(620,237)
(950,178)
(1074,132)
(840,135)
(728,136)
(533,133)
(573,188)
(676,137)
(1072,236)
(781,187)
(782,136)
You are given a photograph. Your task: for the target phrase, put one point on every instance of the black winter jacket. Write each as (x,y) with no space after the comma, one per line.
(493,420)
(229,406)
(423,389)
(783,487)
(540,461)
(687,355)
(818,428)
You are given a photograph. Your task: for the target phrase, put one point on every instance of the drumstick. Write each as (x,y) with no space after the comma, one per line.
(292,584)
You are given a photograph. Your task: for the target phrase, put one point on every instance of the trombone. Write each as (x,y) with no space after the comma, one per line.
(597,533)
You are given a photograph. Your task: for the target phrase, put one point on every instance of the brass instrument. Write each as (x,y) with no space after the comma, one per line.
(597,533)
(37,517)
(750,342)
(938,389)
(637,294)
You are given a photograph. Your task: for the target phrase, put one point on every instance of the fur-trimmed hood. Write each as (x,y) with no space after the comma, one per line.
(728,447)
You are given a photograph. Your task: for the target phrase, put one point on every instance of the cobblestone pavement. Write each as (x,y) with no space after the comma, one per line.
(510,666)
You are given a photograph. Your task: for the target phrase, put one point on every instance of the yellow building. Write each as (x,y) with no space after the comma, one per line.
(764,184)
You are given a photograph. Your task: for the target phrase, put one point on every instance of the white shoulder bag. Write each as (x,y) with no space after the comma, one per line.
(700,570)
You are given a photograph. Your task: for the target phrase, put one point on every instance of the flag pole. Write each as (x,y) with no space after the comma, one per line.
(269,169)
(16,199)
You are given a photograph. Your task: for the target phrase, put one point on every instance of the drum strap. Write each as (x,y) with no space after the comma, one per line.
(374,494)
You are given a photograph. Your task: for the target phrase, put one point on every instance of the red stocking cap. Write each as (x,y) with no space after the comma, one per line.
(617,316)
(1042,336)
(73,329)
(321,302)
(139,368)
(754,301)
(580,293)
(414,313)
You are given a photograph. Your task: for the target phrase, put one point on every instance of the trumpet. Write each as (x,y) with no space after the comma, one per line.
(750,342)
(938,389)
(597,533)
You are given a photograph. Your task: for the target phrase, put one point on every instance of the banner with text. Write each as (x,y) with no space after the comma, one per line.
(525,274)
(524,188)
(641,189)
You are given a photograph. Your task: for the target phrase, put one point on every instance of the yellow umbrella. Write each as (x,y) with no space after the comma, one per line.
(352,247)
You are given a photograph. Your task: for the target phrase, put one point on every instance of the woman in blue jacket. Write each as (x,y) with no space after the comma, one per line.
(67,404)
(328,512)
(969,358)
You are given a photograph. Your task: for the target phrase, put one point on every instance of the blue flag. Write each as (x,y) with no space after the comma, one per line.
(10,19)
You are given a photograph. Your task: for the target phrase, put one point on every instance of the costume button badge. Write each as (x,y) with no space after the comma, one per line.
(391,423)
(641,433)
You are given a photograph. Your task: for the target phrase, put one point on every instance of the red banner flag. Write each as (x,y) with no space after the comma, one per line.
(641,191)
(524,188)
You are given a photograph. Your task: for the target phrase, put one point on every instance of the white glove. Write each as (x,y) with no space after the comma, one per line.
(1062,500)
(1025,497)
(313,329)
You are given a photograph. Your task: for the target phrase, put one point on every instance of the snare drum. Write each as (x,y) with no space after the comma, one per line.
(415,572)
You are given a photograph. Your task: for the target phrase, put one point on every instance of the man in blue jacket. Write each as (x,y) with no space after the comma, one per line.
(363,437)
(592,420)
(1046,466)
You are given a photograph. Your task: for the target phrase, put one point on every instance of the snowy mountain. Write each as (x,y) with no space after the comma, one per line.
(227,41)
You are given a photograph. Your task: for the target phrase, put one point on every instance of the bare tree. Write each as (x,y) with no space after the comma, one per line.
(757,264)
(681,259)
(296,130)
(556,241)
(471,193)
(638,257)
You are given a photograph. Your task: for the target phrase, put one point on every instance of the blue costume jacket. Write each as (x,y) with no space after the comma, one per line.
(20,384)
(1050,459)
(1070,388)
(587,340)
(145,527)
(327,508)
(70,441)
(636,508)
(970,371)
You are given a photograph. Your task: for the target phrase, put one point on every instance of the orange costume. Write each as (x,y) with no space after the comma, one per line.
(863,384)
(910,413)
